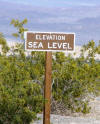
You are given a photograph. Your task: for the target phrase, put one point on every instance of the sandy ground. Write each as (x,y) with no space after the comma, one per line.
(92,118)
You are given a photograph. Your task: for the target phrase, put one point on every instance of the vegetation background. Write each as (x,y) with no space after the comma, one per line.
(74,81)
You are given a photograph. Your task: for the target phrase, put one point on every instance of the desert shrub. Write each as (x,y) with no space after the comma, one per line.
(20,94)
(3,44)
(75,80)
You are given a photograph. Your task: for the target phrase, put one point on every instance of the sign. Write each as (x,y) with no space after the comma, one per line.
(49,41)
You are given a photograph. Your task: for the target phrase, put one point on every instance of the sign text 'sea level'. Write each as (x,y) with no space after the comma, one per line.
(49,41)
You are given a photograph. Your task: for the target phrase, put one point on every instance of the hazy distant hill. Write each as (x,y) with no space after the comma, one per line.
(84,21)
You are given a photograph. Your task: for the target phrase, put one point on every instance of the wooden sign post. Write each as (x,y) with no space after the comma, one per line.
(47,88)
(48,41)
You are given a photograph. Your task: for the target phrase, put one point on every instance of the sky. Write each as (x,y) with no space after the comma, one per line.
(57,3)
(79,16)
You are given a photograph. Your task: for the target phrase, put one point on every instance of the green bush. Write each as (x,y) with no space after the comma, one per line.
(75,80)
(20,95)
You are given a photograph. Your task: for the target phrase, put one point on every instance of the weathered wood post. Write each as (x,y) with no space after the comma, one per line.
(47,88)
